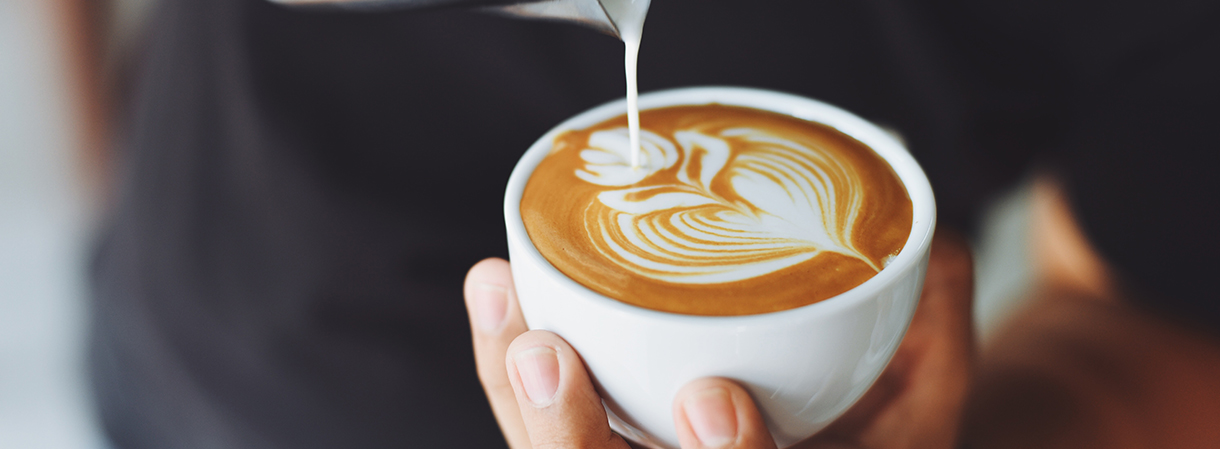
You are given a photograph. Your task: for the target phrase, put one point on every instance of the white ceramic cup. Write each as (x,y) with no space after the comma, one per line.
(804,367)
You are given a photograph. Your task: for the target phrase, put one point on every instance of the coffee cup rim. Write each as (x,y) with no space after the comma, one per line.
(880,141)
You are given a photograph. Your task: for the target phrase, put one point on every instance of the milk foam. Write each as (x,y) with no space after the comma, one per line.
(745,203)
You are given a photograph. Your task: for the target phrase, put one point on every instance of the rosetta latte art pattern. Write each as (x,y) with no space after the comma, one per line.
(732,211)
(740,203)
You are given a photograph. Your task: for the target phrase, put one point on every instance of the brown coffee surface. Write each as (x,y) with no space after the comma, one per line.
(733,211)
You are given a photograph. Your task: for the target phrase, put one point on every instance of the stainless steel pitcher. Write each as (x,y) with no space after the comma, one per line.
(590,13)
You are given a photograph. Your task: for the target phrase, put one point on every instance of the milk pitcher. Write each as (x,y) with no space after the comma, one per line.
(596,14)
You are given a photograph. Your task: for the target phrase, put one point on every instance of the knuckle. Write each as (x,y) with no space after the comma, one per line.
(535,338)
(492,381)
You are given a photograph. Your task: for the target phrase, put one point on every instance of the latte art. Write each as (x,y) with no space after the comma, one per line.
(725,203)
(746,203)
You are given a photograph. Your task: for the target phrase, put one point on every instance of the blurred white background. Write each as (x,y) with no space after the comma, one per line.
(44,223)
(47,213)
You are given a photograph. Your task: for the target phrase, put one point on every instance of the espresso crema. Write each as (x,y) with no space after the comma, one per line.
(732,211)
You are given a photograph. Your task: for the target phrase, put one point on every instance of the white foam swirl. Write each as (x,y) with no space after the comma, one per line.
(787,203)
(608,158)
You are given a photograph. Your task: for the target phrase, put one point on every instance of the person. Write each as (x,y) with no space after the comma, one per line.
(300,194)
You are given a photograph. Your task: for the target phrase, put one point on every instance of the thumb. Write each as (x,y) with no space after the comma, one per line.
(718,413)
(558,404)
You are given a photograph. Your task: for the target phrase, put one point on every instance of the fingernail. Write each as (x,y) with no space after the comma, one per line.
(712,416)
(490,303)
(539,371)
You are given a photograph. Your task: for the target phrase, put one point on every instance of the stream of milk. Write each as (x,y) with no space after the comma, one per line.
(628,16)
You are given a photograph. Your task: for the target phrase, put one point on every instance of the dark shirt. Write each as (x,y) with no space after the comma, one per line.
(302,192)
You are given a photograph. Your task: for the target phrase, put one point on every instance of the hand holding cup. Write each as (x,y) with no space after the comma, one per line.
(542,395)
(773,240)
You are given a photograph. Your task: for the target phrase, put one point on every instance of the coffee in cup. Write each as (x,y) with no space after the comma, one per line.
(732,211)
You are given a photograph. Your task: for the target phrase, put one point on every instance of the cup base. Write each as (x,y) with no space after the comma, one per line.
(631,433)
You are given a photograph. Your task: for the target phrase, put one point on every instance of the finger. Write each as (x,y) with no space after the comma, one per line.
(941,363)
(949,284)
(495,320)
(718,413)
(941,335)
(555,396)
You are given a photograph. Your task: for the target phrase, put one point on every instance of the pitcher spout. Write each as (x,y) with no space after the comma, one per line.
(590,13)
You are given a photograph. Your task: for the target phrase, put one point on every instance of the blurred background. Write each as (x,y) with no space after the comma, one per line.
(52,171)
(61,64)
